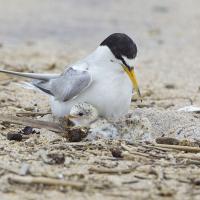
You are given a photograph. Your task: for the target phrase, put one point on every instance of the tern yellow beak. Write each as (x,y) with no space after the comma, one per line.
(132,76)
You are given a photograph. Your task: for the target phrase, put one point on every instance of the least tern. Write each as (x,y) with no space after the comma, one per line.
(104,79)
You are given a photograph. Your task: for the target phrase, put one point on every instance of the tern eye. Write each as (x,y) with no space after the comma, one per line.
(80,114)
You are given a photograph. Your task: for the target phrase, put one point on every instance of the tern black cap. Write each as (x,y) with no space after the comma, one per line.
(121,45)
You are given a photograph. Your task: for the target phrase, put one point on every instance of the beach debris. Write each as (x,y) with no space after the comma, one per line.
(24,170)
(5,124)
(179,147)
(51,66)
(27,130)
(128,155)
(191,108)
(54,158)
(73,134)
(160,9)
(76,134)
(32,114)
(45,181)
(22,134)
(167,140)
(105,170)
(169,86)
(31,122)
(65,122)
(14,136)
(116,152)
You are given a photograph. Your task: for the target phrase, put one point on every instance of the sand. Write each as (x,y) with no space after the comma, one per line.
(45,36)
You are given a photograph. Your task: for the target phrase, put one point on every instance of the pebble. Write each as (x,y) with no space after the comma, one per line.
(28,130)
(56,158)
(76,134)
(14,136)
(24,169)
(169,86)
(116,152)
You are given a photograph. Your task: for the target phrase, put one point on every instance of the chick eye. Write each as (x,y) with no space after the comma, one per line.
(80,114)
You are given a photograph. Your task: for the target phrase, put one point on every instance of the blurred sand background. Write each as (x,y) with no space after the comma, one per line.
(44,36)
(167,35)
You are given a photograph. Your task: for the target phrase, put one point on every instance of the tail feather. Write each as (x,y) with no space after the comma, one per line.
(44,86)
(44,77)
(26,85)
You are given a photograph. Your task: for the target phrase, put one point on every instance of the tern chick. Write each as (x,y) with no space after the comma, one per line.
(84,114)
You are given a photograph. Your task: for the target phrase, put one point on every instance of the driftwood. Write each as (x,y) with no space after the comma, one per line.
(112,171)
(32,114)
(45,181)
(32,122)
(179,147)
(73,134)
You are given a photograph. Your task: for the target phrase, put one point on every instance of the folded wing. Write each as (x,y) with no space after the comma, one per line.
(67,86)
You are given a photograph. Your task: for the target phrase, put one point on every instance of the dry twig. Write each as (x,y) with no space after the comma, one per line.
(45,181)
(132,151)
(31,122)
(32,114)
(179,147)
(111,171)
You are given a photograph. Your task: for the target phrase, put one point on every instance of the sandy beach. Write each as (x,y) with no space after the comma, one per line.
(46,36)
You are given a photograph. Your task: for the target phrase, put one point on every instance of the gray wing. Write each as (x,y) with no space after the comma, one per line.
(67,86)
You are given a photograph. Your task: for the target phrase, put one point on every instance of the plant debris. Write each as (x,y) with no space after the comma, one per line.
(169,86)
(27,130)
(14,136)
(55,158)
(45,181)
(76,134)
(116,152)
(167,140)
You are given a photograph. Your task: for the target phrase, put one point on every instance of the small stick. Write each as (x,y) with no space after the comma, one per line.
(188,156)
(45,181)
(31,122)
(133,156)
(127,148)
(179,147)
(139,154)
(155,147)
(32,114)
(131,151)
(2,106)
(102,170)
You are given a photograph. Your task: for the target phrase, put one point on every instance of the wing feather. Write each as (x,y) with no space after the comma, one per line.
(67,86)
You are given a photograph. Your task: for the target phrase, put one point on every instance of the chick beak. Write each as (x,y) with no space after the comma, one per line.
(71,117)
(132,76)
